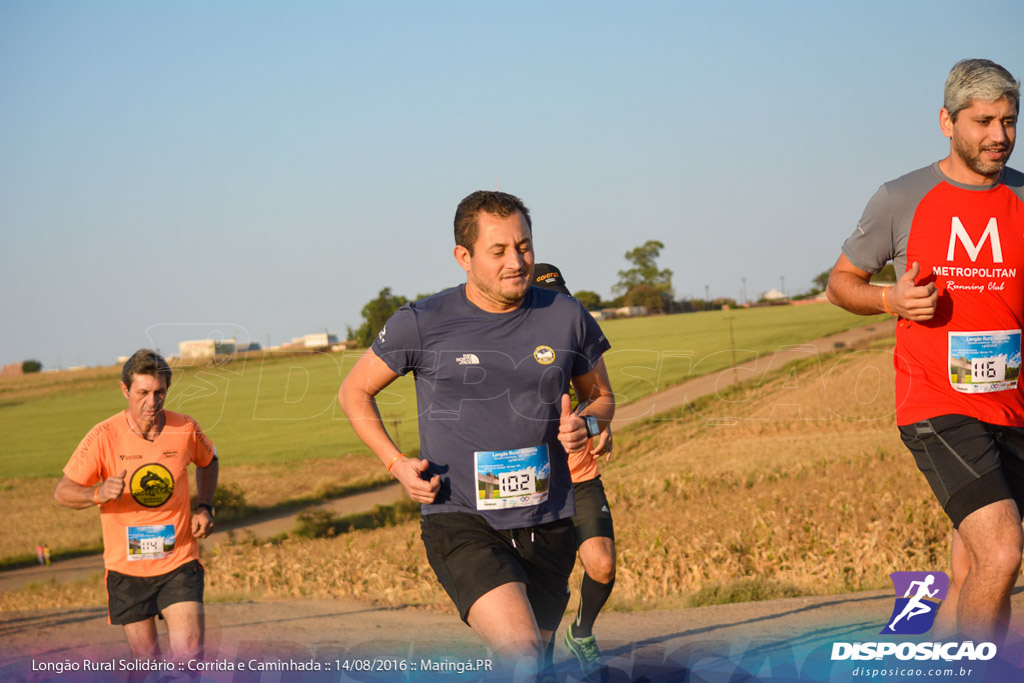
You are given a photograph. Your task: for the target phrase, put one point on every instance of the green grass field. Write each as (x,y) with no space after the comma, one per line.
(285,409)
(651,354)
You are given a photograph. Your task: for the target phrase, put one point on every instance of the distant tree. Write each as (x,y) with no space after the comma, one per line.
(590,300)
(820,282)
(617,302)
(886,274)
(647,295)
(376,313)
(684,306)
(645,270)
(722,302)
(31,366)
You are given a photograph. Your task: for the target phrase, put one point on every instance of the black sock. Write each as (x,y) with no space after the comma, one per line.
(593,595)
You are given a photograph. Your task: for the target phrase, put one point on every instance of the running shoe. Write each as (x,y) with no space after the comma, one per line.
(586,652)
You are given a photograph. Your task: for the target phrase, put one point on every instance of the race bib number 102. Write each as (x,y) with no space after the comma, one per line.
(510,479)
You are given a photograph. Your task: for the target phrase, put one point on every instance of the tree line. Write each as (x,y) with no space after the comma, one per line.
(643,283)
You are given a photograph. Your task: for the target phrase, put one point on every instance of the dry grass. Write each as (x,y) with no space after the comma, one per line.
(87,593)
(263,486)
(269,484)
(29,515)
(755,494)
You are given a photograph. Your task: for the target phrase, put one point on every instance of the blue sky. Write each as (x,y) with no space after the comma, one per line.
(172,170)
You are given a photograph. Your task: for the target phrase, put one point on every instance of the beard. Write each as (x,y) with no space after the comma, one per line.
(502,292)
(972,157)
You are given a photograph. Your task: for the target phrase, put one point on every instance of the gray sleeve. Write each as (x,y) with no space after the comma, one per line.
(1015,181)
(871,245)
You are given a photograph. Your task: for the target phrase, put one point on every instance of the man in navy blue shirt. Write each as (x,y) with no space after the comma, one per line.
(493,361)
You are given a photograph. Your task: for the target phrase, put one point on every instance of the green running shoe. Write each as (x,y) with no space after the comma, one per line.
(586,652)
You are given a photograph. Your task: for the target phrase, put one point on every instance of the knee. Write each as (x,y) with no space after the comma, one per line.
(1001,560)
(193,647)
(187,644)
(598,558)
(521,653)
(601,569)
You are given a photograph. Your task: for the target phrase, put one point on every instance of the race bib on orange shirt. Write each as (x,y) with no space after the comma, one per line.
(153,542)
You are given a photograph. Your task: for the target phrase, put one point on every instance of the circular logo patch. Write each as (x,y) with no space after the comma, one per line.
(152,485)
(545,355)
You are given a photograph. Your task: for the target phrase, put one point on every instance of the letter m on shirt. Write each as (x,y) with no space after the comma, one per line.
(958,232)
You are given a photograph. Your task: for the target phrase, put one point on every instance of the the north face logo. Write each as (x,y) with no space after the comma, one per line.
(468,359)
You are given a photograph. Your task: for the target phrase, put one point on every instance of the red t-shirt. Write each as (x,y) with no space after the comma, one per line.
(969,241)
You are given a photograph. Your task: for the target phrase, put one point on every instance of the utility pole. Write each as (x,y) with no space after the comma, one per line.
(732,343)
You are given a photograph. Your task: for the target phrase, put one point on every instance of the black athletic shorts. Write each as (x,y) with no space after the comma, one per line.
(593,516)
(470,558)
(136,598)
(968,463)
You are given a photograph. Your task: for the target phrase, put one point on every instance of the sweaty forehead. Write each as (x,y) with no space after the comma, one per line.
(148,383)
(494,230)
(1000,107)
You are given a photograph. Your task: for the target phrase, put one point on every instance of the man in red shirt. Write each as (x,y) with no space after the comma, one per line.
(955,230)
(134,466)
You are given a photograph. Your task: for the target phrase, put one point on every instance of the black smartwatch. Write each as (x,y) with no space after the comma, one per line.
(208,508)
(593,428)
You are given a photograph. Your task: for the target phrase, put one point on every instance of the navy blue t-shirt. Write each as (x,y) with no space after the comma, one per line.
(488,392)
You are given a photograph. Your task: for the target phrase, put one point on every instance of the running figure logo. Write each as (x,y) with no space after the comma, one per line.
(918,596)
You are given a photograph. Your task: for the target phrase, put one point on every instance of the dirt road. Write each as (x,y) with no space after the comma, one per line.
(777,640)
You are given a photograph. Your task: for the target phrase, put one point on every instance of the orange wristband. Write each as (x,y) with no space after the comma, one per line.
(393,461)
(95,492)
(885,304)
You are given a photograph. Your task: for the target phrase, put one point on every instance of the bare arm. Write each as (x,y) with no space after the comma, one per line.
(78,497)
(849,288)
(356,396)
(595,387)
(206,487)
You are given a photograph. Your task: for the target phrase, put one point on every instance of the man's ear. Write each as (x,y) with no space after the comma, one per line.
(946,122)
(463,257)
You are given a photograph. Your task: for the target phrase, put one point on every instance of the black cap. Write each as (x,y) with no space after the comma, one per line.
(547,276)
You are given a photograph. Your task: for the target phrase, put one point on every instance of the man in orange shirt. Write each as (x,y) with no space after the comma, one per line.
(134,466)
(595,536)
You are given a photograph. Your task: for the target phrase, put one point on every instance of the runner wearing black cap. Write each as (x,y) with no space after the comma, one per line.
(595,537)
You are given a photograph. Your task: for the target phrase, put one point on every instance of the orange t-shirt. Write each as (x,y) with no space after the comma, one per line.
(148,531)
(583,465)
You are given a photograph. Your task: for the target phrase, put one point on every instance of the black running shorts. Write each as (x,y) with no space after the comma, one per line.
(593,516)
(470,558)
(968,463)
(137,598)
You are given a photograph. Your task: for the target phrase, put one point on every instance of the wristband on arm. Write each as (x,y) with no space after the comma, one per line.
(392,463)
(885,304)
